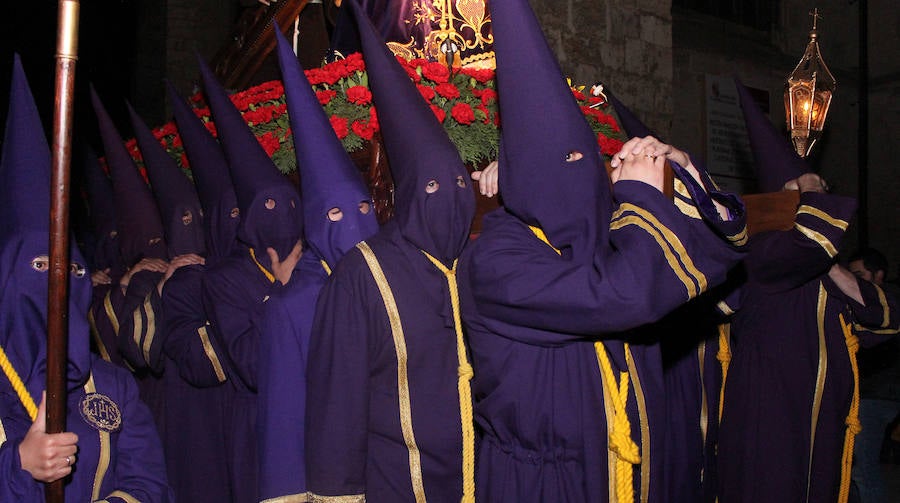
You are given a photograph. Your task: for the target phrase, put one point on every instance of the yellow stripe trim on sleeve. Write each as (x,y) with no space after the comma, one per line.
(95,334)
(539,233)
(673,241)
(393,312)
(138,327)
(110,312)
(211,354)
(667,252)
(741,238)
(2,433)
(325,266)
(882,299)
(686,208)
(151,328)
(818,238)
(821,215)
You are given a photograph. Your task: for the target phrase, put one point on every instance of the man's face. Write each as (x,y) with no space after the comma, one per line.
(859,269)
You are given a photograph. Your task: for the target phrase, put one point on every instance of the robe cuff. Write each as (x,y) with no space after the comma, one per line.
(697,200)
(140,337)
(824,218)
(879,315)
(289,498)
(119,497)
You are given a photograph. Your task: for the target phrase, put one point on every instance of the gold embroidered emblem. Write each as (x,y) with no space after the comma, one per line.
(99,411)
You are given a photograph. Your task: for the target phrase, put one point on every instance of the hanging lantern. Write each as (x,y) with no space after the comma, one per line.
(807,96)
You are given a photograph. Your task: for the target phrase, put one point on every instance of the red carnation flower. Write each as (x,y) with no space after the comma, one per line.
(325,96)
(462,113)
(176,142)
(364,131)
(339,124)
(355,62)
(447,90)
(373,119)
(359,95)
(211,127)
(426,92)
(439,113)
(202,113)
(488,95)
(269,143)
(184,161)
(609,146)
(435,72)
(578,94)
(410,68)
(486,112)
(315,76)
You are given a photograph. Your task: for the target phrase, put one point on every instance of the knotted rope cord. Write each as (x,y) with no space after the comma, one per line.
(18,385)
(463,384)
(852,421)
(724,357)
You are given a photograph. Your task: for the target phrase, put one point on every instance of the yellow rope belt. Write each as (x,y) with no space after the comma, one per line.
(724,357)
(463,384)
(269,275)
(17,384)
(852,421)
(620,441)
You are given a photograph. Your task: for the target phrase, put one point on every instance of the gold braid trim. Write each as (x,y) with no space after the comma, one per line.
(103,462)
(350,498)
(821,215)
(110,312)
(151,328)
(821,373)
(852,421)
(289,498)
(415,460)
(211,354)
(18,385)
(464,386)
(818,237)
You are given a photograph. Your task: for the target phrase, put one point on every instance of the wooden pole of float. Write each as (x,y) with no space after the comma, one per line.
(61,153)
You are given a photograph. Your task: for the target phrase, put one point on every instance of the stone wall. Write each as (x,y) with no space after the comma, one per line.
(626,45)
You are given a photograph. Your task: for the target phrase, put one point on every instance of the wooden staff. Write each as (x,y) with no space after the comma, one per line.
(57,304)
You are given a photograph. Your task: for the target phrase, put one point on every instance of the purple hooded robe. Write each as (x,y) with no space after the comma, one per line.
(789,404)
(385,399)
(119,458)
(329,180)
(554,281)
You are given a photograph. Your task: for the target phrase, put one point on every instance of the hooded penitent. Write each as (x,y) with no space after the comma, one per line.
(433,203)
(178,203)
(328,177)
(775,161)
(213,182)
(271,216)
(140,227)
(103,214)
(554,177)
(24,251)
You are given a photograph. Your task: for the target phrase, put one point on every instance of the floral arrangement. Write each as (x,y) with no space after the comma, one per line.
(463,100)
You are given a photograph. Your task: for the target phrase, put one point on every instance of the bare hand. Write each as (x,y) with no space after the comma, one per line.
(175,263)
(652,147)
(640,167)
(488,179)
(47,456)
(147,264)
(283,269)
(807,182)
(100,277)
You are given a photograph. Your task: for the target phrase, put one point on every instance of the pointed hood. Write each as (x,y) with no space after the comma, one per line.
(211,178)
(775,161)
(328,177)
(433,203)
(553,175)
(24,252)
(271,216)
(630,123)
(140,227)
(175,195)
(102,211)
